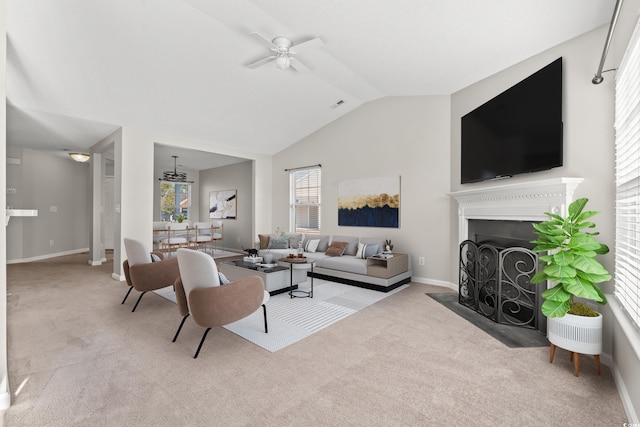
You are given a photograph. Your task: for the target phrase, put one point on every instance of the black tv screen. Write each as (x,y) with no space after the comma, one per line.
(518,131)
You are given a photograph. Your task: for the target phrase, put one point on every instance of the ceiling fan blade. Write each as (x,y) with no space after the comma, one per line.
(297,65)
(261,62)
(263,39)
(315,42)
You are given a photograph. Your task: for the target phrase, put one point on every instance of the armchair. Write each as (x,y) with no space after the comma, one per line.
(142,273)
(198,293)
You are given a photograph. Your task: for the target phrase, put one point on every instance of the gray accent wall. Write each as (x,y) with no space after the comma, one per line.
(47,183)
(237,233)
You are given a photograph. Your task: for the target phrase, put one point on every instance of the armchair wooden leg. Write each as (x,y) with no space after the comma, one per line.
(127,295)
(180,327)
(201,342)
(264,310)
(138,302)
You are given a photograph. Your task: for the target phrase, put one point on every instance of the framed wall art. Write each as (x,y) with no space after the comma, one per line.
(369,202)
(222,204)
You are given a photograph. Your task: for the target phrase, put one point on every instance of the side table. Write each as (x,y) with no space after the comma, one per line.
(302,263)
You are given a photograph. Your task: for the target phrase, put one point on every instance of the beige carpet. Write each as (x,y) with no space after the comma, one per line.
(78,358)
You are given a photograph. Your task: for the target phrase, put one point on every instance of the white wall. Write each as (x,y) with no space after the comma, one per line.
(588,114)
(405,136)
(45,182)
(5,398)
(236,232)
(588,128)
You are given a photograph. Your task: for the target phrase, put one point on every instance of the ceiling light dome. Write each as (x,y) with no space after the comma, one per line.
(283,62)
(80,157)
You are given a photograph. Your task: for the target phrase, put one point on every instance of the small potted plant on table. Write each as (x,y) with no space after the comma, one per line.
(571,264)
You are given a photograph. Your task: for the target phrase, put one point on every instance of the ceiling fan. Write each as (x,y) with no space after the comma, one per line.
(283,50)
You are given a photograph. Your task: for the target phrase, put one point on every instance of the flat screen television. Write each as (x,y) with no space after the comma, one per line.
(518,131)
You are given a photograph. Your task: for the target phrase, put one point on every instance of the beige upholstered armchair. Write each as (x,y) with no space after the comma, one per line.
(198,292)
(143,273)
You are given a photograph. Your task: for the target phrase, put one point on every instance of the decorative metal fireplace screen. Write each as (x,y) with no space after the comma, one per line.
(495,282)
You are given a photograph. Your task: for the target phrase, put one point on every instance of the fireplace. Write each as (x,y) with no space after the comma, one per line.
(495,263)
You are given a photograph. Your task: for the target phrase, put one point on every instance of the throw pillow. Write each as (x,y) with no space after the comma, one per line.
(278,242)
(365,251)
(312,245)
(360,251)
(370,250)
(264,240)
(336,248)
(223,278)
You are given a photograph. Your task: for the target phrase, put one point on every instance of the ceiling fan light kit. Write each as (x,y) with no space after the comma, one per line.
(283,50)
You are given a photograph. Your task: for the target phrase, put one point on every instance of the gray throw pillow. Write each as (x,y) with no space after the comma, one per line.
(278,242)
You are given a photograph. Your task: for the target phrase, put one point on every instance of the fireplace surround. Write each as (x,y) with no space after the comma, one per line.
(496,216)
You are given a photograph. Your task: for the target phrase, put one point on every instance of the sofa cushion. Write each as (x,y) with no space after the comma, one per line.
(373,241)
(352,243)
(294,239)
(349,264)
(324,241)
(336,248)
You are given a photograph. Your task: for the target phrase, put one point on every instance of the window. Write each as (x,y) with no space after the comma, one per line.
(305,200)
(175,199)
(627,124)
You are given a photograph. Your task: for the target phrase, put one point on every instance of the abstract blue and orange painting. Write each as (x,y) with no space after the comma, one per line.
(369,202)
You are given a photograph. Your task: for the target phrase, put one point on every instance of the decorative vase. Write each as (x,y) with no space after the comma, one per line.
(267,258)
(579,334)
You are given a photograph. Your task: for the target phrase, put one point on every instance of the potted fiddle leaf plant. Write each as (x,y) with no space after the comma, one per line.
(570,263)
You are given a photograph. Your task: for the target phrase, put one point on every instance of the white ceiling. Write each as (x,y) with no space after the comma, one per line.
(77,69)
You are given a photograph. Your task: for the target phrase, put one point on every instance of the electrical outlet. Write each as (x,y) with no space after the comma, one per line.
(53,209)
(421,260)
(50,242)
(11,191)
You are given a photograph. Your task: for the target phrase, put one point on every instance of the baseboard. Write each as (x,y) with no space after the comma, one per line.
(5,400)
(627,403)
(118,277)
(47,256)
(435,282)
(5,395)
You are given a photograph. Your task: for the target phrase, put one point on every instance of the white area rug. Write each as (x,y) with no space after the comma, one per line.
(291,320)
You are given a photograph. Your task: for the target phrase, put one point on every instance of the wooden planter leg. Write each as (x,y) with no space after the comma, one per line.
(597,360)
(552,352)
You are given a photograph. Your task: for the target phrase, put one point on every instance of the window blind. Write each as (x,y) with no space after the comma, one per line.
(627,178)
(306,189)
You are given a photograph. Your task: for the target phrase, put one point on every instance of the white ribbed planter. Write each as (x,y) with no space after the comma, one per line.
(578,334)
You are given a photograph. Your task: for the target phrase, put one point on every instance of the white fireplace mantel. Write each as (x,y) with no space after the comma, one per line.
(525,201)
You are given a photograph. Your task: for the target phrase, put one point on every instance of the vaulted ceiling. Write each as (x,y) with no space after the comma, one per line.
(77,69)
